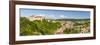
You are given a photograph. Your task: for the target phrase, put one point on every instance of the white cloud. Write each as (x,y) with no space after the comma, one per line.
(63,16)
(42,15)
(50,16)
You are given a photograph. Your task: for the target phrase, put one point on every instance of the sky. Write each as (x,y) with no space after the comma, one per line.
(55,14)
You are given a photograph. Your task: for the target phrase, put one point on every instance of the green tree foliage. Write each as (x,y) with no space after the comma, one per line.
(37,27)
(71,31)
(23,24)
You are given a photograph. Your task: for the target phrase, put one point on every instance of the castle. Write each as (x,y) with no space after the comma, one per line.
(32,18)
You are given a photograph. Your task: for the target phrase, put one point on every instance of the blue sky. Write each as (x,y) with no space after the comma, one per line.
(55,14)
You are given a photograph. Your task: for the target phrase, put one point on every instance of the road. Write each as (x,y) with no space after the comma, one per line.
(67,24)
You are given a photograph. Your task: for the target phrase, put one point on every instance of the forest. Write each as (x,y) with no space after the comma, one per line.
(37,27)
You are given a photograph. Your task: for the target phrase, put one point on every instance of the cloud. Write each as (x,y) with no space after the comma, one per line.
(46,16)
(50,17)
(42,15)
(63,16)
